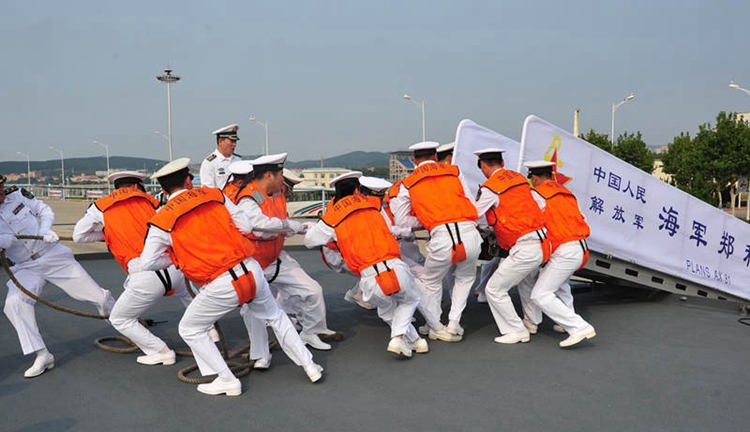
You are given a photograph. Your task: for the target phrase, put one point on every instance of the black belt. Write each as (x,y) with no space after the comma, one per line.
(276,273)
(458,234)
(234,274)
(165,279)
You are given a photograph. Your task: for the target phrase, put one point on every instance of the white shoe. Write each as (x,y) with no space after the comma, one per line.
(314,341)
(530,326)
(420,346)
(167,358)
(455,328)
(558,328)
(314,372)
(577,337)
(515,337)
(214,334)
(262,363)
(41,364)
(219,386)
(399,347)
(444,335)
(424,330)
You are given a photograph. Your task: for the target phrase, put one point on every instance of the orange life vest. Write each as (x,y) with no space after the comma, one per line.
(126,212)
(563,218)
(230,190)
(437,195)
(205,241)
(517,213)
(267,249)
(363,235)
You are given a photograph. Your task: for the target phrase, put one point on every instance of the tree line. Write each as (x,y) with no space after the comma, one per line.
(713,165)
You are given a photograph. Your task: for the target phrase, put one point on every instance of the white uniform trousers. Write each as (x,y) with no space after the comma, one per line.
(56,266)
(397,309)
(303,294)
(141,290)
(298,294)
(486,270)
(531,309)
(566,259)
(524,257)
(438,263)
(216,299)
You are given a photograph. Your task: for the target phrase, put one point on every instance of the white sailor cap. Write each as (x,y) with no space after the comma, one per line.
(489,150)
(273,162)
(120,175)
(446,147)
(425,145)
(171,168)
(229,131)
(346,175)
(291,177)
(377,185)
(539,166)
(242,167)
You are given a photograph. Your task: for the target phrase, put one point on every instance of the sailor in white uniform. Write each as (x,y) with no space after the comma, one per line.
(36,262)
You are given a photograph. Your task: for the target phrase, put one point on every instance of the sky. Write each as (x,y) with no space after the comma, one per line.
(329,77)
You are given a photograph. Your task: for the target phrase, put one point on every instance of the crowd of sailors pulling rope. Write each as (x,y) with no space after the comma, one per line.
(219,247)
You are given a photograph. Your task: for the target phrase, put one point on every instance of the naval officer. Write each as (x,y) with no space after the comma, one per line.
(36,262)
(215,167)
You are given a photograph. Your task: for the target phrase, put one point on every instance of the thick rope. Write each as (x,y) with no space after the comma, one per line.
(47,303)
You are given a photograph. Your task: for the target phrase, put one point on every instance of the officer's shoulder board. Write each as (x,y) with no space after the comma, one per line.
(211,157)
(10,189)
(27,193)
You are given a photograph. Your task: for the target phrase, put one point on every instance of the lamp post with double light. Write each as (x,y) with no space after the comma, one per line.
(627,98)
(169,79)
(265,129)
(420,104)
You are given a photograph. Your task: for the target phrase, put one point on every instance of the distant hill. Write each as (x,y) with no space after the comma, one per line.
(84,165)
(356,159)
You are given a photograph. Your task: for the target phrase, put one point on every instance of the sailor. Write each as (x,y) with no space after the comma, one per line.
(36,262)
(442,204)
(506,200)
(215,167)
(567,230)
(371,252)
(119,219)
(203,233)
(445,153)
(264,202)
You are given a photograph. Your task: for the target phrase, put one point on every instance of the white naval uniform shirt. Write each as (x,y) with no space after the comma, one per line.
(26,216)
(215,172)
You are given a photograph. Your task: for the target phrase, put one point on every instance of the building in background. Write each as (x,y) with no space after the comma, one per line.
(400,165)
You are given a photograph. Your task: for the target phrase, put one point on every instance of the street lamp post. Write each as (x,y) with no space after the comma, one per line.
(627,98)
(169,79)
(747,204)
(28,169)
(265,128)
(166,139)
(420,104)
(62,171)
(106,149)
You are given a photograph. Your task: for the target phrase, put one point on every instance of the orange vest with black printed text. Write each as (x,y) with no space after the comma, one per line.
(437,195)
(563,218)
(362,234)
(516,213)
(205,241)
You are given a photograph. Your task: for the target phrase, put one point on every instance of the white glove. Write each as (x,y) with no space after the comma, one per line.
(49,236)
(134,266)
(402,233)
(296,227)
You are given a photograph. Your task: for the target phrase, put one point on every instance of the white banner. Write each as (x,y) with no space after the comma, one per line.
(639,218)
(471,137)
